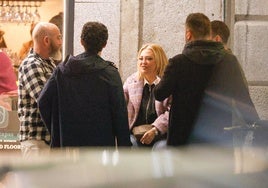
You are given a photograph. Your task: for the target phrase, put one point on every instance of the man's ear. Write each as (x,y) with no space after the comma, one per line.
(105,45)
(218,38)
(46,40)
(188,35)
(82,42)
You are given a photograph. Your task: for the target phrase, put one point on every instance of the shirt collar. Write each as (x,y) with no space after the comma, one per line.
(155,82)
(49,60)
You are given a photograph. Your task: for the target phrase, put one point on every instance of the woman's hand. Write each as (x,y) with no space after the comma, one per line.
(148,137)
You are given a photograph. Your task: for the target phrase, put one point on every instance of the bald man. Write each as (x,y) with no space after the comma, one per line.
(34,71)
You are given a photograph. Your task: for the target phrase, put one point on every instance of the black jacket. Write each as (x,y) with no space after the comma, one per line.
(207,85)
(83,104)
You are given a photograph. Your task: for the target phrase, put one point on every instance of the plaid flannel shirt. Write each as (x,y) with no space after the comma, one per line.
(33,74)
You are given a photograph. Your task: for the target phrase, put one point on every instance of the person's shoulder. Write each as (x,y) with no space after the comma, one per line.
(31,59)
(132,78)
(112,64)
(177,57)
(230,57)
(31,62)
(4,58)
(2,54)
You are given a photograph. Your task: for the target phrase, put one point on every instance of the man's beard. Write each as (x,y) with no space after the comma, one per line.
(57,55)
(55,52)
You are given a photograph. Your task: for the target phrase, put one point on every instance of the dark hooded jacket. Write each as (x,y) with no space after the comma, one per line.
(83,104)
(207,85)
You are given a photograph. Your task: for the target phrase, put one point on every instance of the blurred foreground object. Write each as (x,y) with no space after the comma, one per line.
(184,167)
(246,137)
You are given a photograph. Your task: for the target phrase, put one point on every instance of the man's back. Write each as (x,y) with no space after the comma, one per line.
(226,94)
(91,106)
(203,82)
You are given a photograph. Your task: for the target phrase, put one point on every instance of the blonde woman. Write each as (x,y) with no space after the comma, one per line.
(141,104)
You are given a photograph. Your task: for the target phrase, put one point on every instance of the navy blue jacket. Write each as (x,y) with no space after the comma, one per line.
(83,104)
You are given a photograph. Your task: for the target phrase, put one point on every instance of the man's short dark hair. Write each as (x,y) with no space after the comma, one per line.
(94,36)
(221,29)
(199,25)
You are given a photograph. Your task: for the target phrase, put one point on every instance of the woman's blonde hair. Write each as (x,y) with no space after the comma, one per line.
(159,56)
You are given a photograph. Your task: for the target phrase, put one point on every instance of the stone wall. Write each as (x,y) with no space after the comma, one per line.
(104,11)
(161,22)
(251,48)
(131,23)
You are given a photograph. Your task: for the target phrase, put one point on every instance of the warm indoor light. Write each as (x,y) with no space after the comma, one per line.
(20,11)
